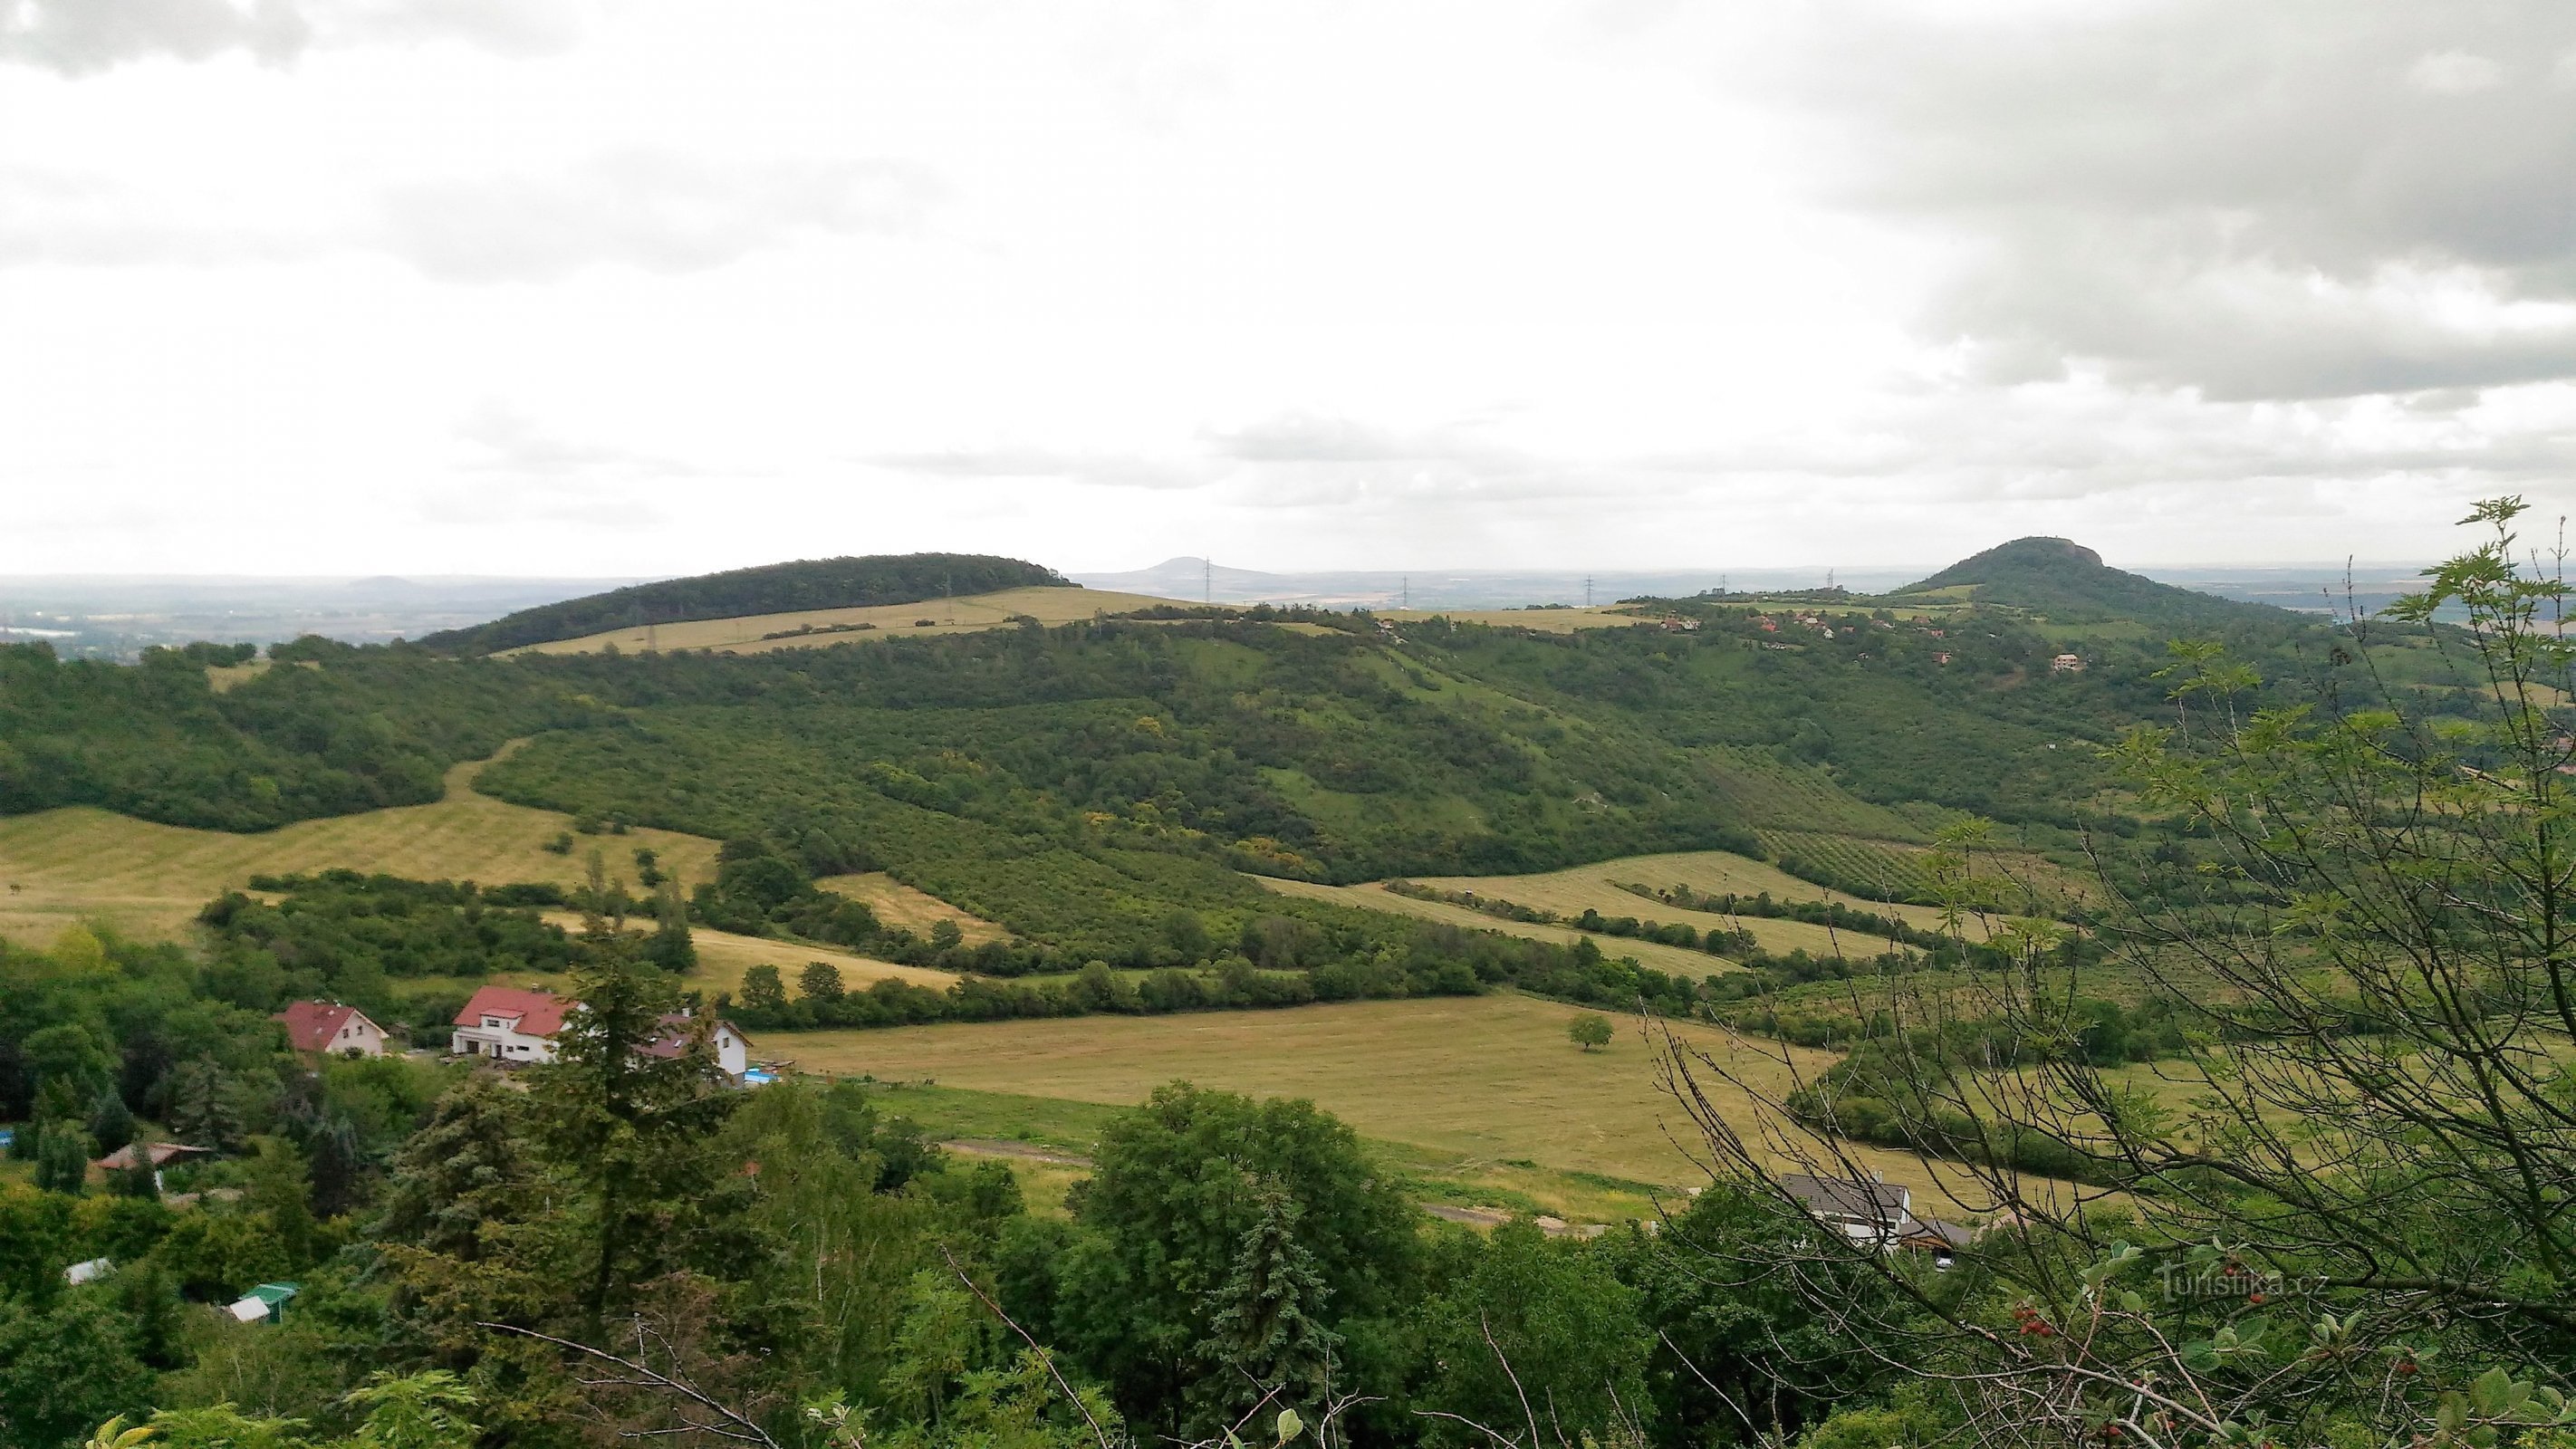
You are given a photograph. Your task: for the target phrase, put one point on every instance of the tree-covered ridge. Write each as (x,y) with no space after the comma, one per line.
(828,583)
(2069,582)
(332,730)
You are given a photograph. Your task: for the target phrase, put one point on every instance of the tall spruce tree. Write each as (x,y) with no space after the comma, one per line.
(634,1123)
(1266,1338)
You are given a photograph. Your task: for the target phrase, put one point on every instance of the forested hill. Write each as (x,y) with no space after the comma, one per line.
(2069,583)
(828,583)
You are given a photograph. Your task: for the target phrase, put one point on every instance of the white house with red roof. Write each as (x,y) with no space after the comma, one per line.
(327,1026)
(509,1024)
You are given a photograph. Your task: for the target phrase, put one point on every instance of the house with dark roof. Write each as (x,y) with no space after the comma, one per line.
(732,1049)
(327,1026)
(1873,1213)
(509,1024)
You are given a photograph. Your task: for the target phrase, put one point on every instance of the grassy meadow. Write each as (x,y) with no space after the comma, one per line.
(1470,1086)
(70,865)
(964,615)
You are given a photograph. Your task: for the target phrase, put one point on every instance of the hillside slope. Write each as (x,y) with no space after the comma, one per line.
(829,583)
(2069,583)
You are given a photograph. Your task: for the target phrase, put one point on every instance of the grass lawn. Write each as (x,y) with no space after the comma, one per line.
(64,866)
(1473,1089)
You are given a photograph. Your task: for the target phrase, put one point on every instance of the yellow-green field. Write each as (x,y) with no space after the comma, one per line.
(1484,1079)
(954,616)
(63,866)
(1710,872)
(897,904)
(1672,960)
(723,957)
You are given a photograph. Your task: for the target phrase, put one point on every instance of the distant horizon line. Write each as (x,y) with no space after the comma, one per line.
(1425,571)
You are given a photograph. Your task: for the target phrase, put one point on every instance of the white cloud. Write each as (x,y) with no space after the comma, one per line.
(2454,73)
(647,209)
(1452,283)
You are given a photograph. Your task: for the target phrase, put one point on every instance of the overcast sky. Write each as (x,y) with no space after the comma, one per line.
(641,286)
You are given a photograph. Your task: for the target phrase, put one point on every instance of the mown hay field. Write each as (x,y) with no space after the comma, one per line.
(1671,960)
(58,867)
(965,615)
(1471,1079)
(897,904)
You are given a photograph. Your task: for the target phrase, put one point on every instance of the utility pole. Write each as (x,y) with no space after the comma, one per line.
(948,594)
(1207,580)
(1408,591)
(1587,591)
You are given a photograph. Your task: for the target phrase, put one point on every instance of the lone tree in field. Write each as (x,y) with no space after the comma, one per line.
(2347,1212)
(1590,1031)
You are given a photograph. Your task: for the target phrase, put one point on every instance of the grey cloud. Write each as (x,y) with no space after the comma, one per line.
(82,37)
(2159,191)
(653,210)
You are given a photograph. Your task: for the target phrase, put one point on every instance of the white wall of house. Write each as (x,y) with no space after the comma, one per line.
(496,1038)
(359,1035)
(732,1052)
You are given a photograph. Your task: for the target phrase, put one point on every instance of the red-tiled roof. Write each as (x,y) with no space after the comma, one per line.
(311,1026)
(539,1013)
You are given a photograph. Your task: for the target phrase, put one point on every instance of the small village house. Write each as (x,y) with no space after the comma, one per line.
(1875,1214)
(2066,664)
(325,1026)
(508,1024)
(159,1154)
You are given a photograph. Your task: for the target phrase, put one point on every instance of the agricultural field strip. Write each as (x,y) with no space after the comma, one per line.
(1671,960)
(81,863)
(1468,1079)
(1710,872)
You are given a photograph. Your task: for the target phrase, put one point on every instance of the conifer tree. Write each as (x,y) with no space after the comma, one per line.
(1265,1335)
(111,1122)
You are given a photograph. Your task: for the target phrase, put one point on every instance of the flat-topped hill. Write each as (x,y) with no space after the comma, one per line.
(2066,581)
(804,586)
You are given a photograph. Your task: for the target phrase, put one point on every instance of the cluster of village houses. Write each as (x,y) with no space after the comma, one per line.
(503,1024)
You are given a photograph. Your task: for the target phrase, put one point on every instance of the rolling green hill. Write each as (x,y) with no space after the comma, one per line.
(830,583)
